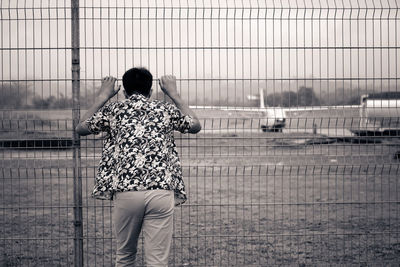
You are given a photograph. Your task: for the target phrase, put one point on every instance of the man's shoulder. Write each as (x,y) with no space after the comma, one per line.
(163,103)
(113,104)
(122,103)
(115,107)
(143,103)
(160,103)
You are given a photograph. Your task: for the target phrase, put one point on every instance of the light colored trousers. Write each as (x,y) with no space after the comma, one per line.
(149,211)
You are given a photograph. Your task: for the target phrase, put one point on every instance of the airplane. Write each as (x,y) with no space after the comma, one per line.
(273,119)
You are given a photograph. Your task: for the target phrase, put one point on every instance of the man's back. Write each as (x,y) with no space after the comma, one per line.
(142,154)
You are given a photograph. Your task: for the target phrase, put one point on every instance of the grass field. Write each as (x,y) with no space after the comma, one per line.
(254,199)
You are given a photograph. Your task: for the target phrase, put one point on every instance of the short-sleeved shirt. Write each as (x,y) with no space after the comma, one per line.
(139,152)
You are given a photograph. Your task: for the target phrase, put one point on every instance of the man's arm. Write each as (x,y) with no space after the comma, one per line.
(107,91)
(168,86)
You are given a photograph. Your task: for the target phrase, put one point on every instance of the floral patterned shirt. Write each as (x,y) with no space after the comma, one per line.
(139,151)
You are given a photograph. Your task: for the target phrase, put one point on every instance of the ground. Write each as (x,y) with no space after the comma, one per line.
(254,199)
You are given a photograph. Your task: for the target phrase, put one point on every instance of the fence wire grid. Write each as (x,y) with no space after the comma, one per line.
(298,159)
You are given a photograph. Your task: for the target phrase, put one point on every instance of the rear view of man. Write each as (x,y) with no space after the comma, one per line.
(140,168)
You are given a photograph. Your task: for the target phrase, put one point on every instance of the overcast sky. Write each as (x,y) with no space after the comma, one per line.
(225,40)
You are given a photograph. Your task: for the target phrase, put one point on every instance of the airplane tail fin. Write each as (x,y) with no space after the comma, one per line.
(261,91)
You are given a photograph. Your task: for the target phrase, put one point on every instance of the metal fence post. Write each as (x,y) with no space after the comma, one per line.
(78,238)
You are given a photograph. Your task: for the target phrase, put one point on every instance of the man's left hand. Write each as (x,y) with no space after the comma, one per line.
(108,87)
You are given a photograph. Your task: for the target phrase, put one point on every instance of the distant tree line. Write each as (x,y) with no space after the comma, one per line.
(384,95)
(14,95)
(306,96)
(20,96)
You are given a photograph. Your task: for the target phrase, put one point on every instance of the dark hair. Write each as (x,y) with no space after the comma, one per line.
(137,80)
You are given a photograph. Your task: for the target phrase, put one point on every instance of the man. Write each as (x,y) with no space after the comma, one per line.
(140,167)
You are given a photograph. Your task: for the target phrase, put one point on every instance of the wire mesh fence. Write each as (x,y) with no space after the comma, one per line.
(298,158)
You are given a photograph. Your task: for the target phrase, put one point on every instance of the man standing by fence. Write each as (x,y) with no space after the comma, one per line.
(140,166)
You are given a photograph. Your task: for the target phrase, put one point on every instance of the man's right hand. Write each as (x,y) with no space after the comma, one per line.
(168,85)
